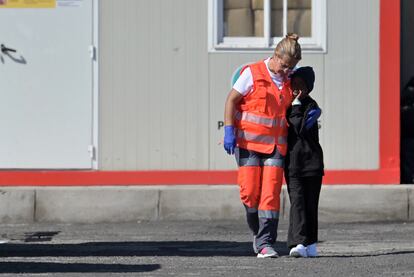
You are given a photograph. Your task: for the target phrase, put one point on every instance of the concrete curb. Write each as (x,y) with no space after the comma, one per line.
(200,202)
(338,203)
(17,205)
(95,204)
(362,203)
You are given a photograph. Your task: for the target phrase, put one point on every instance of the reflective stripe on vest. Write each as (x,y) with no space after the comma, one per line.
(283,123)
(282,140)
(269,122)
(255,137)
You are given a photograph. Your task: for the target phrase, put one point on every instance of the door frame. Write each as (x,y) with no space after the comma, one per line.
(93,92)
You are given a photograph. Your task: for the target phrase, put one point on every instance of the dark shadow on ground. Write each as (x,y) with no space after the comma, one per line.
(39,236)
(135,248)
(35,267)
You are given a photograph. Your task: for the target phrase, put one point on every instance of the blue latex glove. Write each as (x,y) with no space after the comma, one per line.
(312,117)
(229,139)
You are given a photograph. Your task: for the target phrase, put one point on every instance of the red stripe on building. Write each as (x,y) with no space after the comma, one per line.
(389,64)
(135,178)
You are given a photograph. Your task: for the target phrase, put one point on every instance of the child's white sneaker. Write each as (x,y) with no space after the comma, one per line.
(298,251)
(311,250)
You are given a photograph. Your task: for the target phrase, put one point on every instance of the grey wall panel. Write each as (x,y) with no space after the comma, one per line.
(154,86)
(352,85)
(162,93)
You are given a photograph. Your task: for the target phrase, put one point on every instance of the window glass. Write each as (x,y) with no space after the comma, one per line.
(260,24)
(276,17)
(300,17)
(238,18)
(245,18)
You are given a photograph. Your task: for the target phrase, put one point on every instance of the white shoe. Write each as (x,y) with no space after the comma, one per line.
(298,251)
(311,250)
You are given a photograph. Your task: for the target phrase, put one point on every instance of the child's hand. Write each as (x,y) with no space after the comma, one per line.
(297,93)
(300,94)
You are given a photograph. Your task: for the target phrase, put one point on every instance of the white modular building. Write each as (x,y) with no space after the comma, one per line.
(132,92)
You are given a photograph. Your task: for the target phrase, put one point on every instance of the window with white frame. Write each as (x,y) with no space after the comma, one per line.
(260,24)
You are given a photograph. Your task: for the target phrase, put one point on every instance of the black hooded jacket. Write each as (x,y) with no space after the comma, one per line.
(304,157)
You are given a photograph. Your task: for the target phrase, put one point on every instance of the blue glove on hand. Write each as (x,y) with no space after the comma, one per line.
(312,117)
(229,139)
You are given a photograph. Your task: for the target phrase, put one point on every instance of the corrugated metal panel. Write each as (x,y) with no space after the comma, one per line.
(154,86)
(352,85)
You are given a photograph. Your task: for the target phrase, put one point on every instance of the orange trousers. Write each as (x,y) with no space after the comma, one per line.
(260,187)
(260,179)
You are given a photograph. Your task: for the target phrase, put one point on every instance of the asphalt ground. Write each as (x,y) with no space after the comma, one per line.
(200,248)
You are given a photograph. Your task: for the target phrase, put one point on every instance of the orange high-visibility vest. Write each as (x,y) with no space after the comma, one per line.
(260,116)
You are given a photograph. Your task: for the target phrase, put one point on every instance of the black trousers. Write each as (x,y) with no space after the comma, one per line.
(303,219)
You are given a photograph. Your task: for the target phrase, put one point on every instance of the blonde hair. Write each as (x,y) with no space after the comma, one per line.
(290,47)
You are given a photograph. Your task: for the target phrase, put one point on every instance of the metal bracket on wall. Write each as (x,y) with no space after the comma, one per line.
(92,151)
(92,52)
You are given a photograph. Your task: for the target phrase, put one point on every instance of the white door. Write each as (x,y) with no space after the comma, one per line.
(46,87)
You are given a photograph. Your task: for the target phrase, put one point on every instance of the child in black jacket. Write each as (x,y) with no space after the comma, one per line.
(304,167)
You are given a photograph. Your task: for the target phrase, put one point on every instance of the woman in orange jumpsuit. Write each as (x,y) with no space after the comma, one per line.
(256,132)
